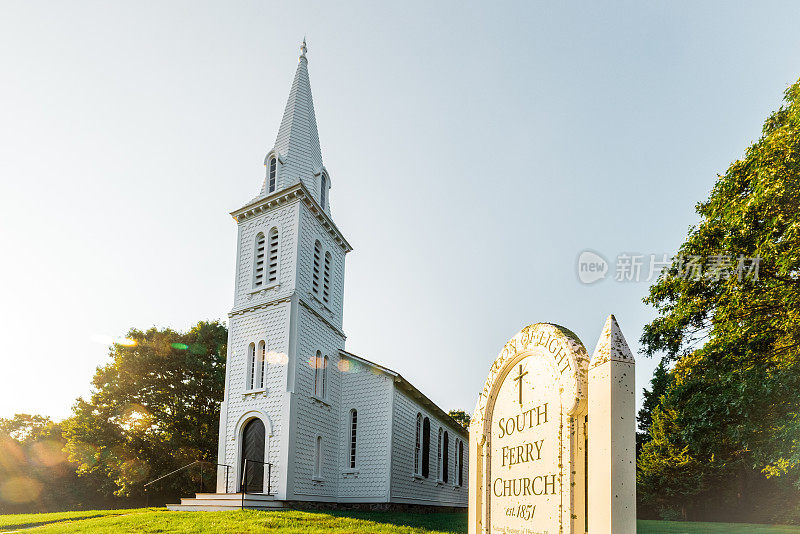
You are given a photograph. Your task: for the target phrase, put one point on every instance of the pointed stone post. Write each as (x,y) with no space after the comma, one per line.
(612,435)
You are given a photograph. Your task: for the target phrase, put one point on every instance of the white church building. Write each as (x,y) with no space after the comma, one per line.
(302,419)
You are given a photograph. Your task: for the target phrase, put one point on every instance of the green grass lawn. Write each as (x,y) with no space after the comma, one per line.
(293,522)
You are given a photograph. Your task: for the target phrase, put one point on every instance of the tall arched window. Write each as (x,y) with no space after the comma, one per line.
(353,428)
(258,260)
(417,444)
(460,472)
(318,376)
(272,170)
(446,457)
(439,457)
(261,366)
(326,278)
(251,366)
(323,189)
(318,458)
(317,261)
(325,377)
(272,273)
(426,447)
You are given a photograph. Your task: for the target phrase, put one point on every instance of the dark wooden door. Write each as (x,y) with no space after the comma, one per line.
(253,451)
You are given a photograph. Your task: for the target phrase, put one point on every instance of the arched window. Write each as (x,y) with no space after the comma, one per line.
(417,444)
(353,427)
(446,457)
(439,457)
(325,377)
(323,189)
(272,274)
(326,278)
(426,447)
(272,170)
(261,364)
(318,375)
(317,260)
(460,473)
(251,366)
(258,260)
(318,458)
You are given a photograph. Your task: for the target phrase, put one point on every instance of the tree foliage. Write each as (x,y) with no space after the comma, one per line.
(34,473)
(154,408)
(728,417)
(461,417)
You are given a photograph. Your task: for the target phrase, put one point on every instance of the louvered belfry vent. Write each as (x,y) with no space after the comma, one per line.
(317,261)
(273,255)
(326,278)
(258,279)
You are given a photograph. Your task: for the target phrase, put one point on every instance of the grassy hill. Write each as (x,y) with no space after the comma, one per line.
(293,522)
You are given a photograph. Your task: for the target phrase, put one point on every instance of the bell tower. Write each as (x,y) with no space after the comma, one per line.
(285,327)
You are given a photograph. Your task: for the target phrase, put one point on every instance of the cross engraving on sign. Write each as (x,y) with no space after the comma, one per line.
(518,378)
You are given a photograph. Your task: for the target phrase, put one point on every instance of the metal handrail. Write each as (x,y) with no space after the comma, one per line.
(243,486)
(196,462)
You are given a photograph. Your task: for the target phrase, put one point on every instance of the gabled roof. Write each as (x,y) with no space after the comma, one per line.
(409,389)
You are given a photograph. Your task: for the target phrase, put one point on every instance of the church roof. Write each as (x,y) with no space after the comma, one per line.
(297,145)
(409,389)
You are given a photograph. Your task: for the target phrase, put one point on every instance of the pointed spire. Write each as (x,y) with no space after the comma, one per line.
(611,346)
(297,145)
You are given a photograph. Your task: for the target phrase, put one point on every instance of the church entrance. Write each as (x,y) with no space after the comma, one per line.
(252,470)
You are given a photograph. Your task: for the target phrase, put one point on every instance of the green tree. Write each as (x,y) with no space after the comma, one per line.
(734,329)
(154,408)
(34,473)
(460,416)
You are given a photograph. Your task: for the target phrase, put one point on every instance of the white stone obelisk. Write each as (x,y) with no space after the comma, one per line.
(612,435)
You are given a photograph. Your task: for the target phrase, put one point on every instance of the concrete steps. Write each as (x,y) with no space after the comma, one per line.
(220,502)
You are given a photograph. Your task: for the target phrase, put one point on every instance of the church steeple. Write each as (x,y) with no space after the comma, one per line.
(297,152)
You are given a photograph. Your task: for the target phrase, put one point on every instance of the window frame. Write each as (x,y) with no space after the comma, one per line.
(352,448)
(323,190)
(272,174)
(418,447)
(261,364)
(319,459)
(426,447)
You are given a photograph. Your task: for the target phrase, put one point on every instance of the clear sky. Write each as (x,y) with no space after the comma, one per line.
(475,150)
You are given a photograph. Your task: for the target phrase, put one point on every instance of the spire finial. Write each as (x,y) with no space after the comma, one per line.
(303,49)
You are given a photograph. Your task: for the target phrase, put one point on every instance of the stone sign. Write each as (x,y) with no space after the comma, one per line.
(528,437)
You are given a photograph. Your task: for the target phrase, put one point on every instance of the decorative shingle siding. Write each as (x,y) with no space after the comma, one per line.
(406,487)
(370,393)
(270,324)
(310,231)
(285,219)
(316,417)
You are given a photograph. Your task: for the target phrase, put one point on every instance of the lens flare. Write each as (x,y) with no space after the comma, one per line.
(344,366)
(277,358)
(20,490)
(108,340)
(48,452)
(316,363)
(11,454)
(180,346)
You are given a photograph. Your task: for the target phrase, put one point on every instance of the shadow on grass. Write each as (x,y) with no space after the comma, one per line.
(455,522)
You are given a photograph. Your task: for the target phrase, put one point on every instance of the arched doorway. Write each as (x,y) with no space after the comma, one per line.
(253,439)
